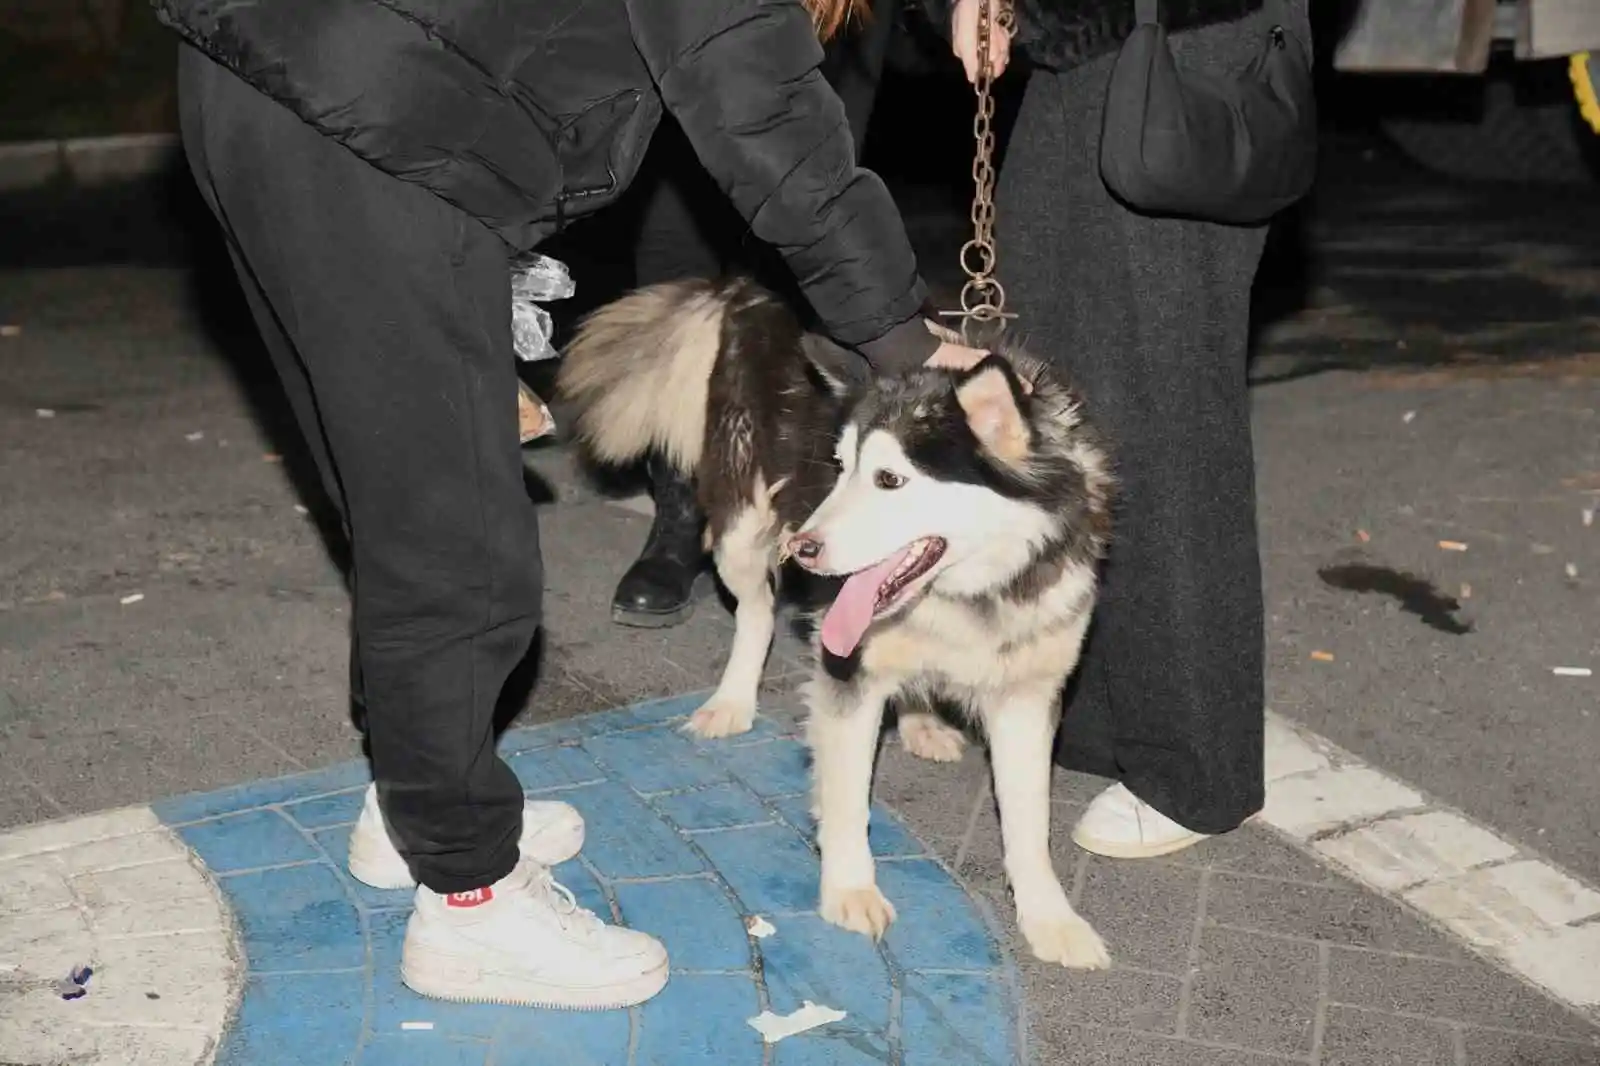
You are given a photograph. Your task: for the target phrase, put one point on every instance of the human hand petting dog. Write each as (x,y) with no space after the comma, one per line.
(964,38)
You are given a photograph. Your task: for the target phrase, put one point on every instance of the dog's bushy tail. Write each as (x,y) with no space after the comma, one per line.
(638,372)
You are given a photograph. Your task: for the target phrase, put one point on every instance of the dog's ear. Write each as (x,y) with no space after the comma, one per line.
(993,399)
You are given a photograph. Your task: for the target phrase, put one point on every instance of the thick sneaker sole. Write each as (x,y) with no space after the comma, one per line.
(1123,849)
(456,979)
(388,872)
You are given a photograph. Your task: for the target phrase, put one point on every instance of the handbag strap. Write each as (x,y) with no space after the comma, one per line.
(1146,11)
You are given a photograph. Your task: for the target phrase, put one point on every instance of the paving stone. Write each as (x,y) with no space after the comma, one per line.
(1340,916)
(555,768)
(886,835)
(831,1046)
(1145,913)
(1087,1046)
(714,940)
(339,808)
(946,1019)
(1398,852)
(699,1018)
(567,1038)
(1258,852)
(1486,1048)
(294,1019)
(1326,799)
(718,807)
(654,760)
(425,1049)
(1469,993)
(776,768)
(247,841)
(1366,1038)
(636,842)
(808,959)
(770,867)
(1255,992)
(926,898)
(297,918)
(1117,998)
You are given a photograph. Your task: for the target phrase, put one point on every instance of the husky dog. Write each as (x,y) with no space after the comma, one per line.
(959,517)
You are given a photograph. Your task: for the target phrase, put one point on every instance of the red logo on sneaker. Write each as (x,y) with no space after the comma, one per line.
(476,898)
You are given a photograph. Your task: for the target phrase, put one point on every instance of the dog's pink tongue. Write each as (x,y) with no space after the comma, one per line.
(847,620)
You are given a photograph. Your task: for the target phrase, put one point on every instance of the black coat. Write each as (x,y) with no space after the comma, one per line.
(1062,34)
(528,113)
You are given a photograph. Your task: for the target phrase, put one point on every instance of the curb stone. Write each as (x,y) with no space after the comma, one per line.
(85,161)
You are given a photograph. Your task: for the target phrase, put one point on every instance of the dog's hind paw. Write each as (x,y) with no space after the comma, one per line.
(860,910)
(1067,940)
(927,736)
(721,718)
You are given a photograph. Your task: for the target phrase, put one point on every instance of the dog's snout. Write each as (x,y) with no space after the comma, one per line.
(806,548)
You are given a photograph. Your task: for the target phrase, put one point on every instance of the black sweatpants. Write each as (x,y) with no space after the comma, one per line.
(1150,317)
(387,315)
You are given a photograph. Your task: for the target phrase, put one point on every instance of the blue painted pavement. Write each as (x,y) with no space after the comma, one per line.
(686,840)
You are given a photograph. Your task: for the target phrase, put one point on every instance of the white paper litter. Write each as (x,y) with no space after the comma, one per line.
(759,927)
(1572,570)
(1572,671)
(775,1027)
(1408,416)
(416,1026)
(534,280)
(301,508)
(132,598)
(1588,516)
(44,412)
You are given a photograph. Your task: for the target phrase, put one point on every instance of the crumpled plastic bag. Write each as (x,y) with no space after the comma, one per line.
(536,279)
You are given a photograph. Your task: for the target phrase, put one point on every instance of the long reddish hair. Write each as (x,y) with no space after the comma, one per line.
(829,15)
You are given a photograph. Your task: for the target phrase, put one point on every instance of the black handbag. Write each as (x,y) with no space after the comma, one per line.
(1230,149)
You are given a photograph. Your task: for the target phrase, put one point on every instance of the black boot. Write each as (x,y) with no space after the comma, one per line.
(658,589)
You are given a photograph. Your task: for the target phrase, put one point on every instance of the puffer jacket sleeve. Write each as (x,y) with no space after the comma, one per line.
(742,79)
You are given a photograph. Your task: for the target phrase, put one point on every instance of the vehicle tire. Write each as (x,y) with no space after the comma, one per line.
(1518,125)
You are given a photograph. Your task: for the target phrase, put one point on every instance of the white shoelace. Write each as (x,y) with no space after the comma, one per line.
(564,903)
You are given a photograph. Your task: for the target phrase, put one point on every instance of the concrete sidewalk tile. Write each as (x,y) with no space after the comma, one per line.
(1091,1046)
(1553,896)
(71,833)
(1470,992)
(1486,1048)
(1146,913)
(1256,851)
(945,1018)
(1364,1038)
(1565,961)
(1353,918)
(715,940)
(1255,992)
(1119,998)
(926,898)
(1399,852)
(1313,803)
(1287,752)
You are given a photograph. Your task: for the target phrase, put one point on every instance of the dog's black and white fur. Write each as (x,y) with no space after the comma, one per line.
(960,514)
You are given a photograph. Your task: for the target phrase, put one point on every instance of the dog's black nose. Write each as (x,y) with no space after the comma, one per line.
(805,547)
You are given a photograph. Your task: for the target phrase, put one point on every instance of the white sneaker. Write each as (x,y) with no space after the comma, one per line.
(524,940)
(552,833)
(1120,825)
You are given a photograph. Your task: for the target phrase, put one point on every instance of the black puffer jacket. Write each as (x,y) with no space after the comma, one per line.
(1062,34)
(527,112)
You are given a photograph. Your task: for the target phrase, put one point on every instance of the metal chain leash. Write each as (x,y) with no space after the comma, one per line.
(983,298)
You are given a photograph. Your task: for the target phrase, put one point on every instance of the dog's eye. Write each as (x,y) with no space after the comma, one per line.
(888,479)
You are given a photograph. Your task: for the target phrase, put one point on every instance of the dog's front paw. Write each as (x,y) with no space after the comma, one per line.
(860,910)
(721,718)
(927,736)
(1066,939)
